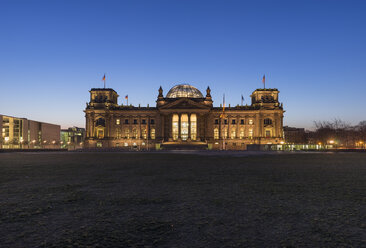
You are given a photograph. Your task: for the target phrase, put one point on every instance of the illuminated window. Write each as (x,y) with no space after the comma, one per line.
(152,133)
(250,133)
(118,134)
(184,126)
(99,144)
(100,133)
(241,135)
(118,121)
(216,133)
(268,133)
(127,133)
(134,133)
(144,133)
(175,128)
(250,122)
(193,126)
(233,134)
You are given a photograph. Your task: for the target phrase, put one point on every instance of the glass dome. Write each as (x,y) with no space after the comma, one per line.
(184,90)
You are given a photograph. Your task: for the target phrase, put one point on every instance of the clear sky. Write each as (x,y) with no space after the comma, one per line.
(53,52)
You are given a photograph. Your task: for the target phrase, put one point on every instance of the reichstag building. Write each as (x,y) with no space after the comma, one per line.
(183,118)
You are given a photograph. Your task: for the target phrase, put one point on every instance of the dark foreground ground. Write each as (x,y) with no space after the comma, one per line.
(182,200)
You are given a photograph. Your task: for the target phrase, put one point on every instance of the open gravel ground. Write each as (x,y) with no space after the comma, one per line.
(182,200)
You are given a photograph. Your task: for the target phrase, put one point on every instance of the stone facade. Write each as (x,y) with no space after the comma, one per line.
(183,117)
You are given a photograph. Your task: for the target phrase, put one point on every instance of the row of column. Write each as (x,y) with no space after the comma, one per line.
(189,125)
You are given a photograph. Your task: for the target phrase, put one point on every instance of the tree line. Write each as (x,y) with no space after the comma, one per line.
(340,133)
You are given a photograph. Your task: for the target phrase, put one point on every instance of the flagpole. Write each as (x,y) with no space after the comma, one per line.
(104,80)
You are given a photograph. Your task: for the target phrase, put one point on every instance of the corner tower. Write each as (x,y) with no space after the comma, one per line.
(265,98)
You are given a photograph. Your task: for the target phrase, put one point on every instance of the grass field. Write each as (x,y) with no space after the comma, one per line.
(182,200)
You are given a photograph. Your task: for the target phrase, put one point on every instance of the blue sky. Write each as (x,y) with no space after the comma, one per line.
(53,52)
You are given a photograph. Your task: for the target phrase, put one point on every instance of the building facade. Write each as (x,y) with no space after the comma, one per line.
(21,133)
(72,138)
(184,117)
(294,135)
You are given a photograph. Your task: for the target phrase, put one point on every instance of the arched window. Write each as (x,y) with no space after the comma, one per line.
(267,121)
(144,133)
(241,135)
(100,122)
(118,133)
(193,126)
(152,133)
(268,133)
(184,126)
(175,127)
(250,133)
(134,133)
(100,133)
(216,133)
(233,133)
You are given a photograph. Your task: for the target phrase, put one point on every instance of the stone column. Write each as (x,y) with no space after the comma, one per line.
(162,127)
(237,127)
(148,127)
(275,125)
(86,126)
(179,126)
(139,129)
(228,128)
(220,126)
(189,126)
(257,125)
(92,134)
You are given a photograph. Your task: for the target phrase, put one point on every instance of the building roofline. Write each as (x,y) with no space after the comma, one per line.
(102,89)
(26,119)
(270,89)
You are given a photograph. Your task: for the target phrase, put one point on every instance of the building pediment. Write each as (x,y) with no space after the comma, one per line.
(184,103)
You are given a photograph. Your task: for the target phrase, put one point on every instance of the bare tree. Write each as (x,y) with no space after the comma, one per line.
(341,132)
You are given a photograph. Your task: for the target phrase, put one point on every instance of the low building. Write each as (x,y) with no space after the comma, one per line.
(21,133)
(294,135)
(72,138)
(184,117)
